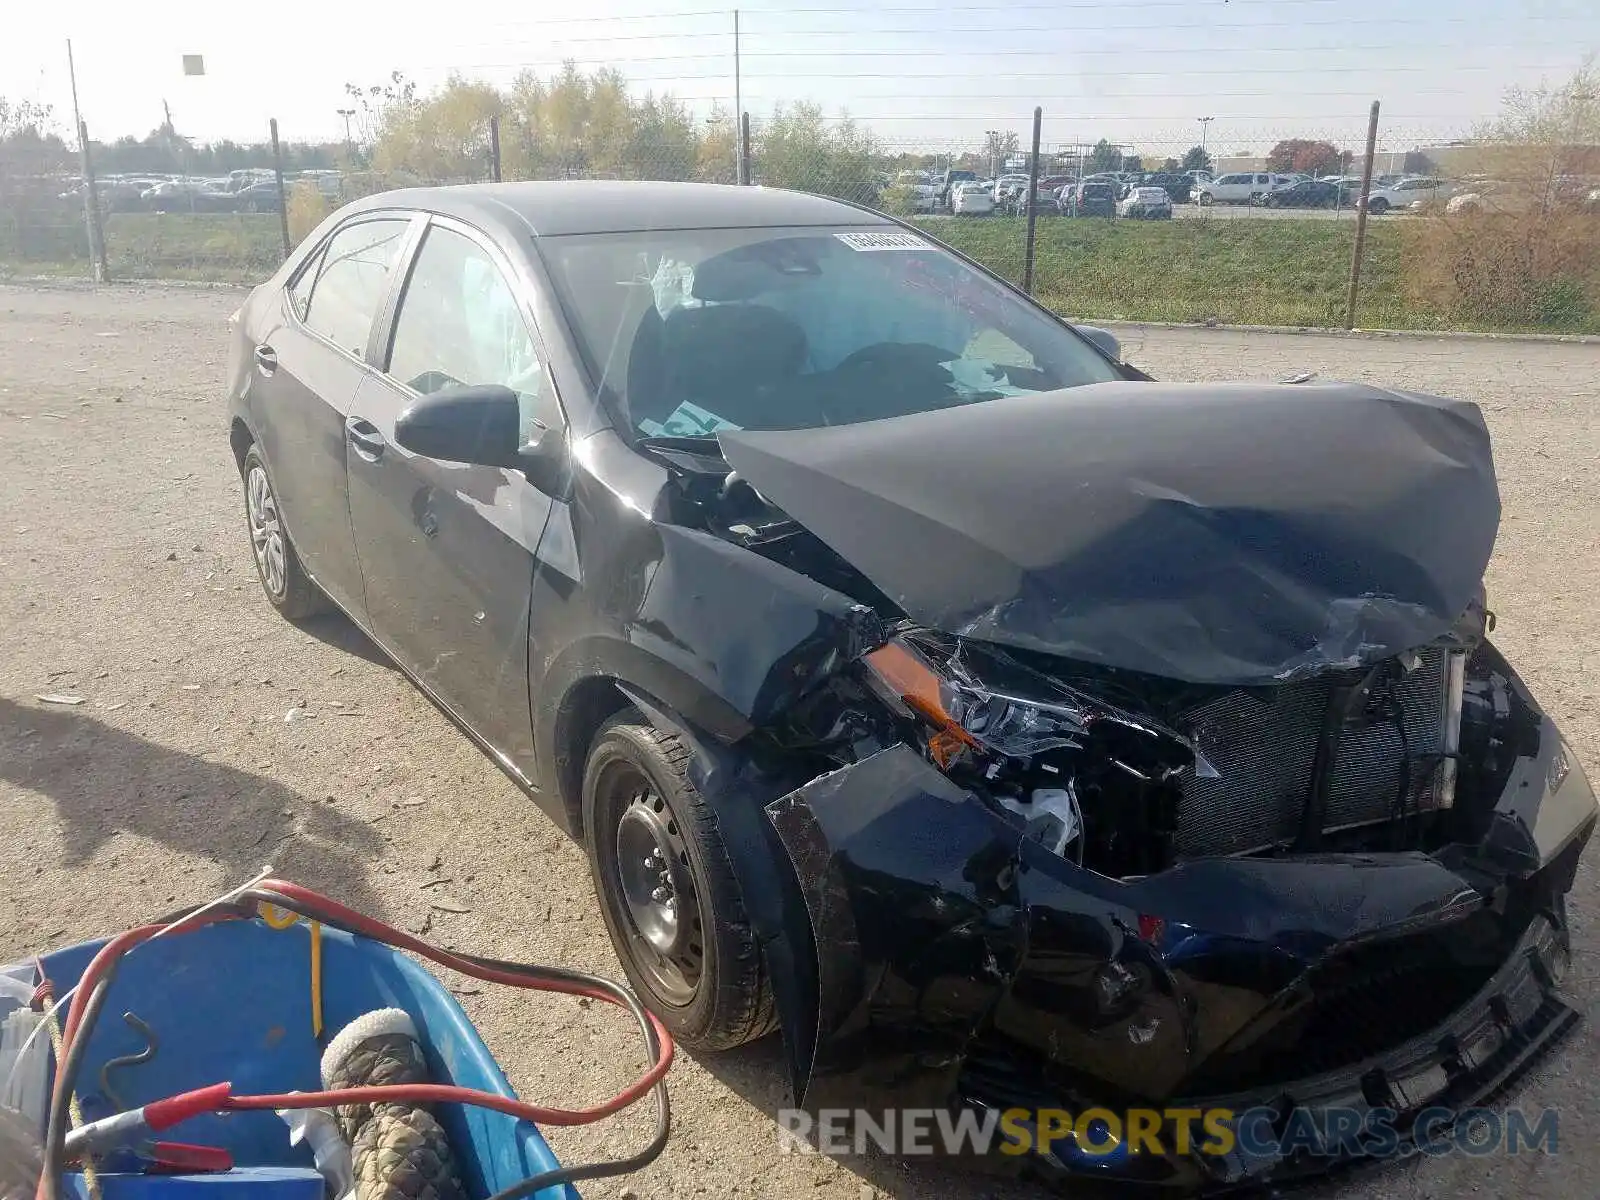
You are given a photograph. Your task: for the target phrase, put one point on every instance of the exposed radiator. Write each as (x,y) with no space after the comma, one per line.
(1263,743)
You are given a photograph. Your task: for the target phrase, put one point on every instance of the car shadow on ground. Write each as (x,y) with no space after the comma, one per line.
(105,781)
(339,631)
(759,1074)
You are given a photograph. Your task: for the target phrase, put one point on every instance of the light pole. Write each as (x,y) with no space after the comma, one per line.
(1204,121)
(349,145)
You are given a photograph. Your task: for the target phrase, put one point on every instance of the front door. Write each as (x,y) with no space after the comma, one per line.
(447,550)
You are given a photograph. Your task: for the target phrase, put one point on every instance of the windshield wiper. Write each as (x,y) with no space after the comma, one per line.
(699,443)
(700,454)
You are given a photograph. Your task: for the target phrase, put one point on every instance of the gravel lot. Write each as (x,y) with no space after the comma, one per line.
(125,578)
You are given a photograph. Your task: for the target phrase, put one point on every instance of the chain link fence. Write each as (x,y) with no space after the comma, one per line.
(1475,234)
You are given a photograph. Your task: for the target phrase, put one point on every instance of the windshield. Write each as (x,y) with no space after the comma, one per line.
(689,332)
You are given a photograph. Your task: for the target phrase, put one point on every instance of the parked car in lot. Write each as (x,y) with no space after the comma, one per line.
(1237,188)
(1006,728)
(1307,193)
(1146,203)
(1521,198)
(1006,187)
(1179,188)
(973,200)
(952,179)
(1091,198)
(1414,192)
(262,196)
(187,196)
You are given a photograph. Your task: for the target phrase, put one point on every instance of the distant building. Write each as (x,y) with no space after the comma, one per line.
(1228,164)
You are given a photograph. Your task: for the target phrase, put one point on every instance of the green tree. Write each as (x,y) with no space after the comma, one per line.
(1104,157)
(999,145)
(716,155)
(798,148)
(1196,159)
(443,137)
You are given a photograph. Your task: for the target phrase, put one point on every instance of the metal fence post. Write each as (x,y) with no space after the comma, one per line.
(744,149)
(494,148)
(283,198)
(92,215)
(1361,220)
(1033,203)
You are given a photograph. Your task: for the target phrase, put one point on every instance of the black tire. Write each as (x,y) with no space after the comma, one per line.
(1206,200)
(1378,206)
(710,987)
(287,587)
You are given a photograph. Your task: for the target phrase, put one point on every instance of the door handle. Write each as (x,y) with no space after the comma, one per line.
(364,436)
(266,359)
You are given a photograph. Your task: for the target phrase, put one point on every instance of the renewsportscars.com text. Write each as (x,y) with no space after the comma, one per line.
(1101,1132)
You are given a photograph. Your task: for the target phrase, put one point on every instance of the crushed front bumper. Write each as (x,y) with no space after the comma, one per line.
(958,964)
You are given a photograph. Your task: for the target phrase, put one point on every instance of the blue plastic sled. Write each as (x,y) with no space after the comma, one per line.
(233,1002)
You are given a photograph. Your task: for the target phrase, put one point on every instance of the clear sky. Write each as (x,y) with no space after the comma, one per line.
(1139,71)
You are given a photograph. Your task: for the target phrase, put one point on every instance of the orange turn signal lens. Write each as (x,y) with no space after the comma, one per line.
(908,675)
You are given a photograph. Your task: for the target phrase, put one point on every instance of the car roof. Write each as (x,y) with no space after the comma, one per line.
(551,208)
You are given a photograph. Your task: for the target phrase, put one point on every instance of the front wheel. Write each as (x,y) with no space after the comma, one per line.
(1378,206)
(1206,200)
(667,889)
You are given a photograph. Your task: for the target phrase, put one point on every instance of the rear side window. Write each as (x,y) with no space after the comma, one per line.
(352,281)
(300,289)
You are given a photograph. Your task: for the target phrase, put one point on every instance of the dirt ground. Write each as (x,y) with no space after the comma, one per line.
(125,578)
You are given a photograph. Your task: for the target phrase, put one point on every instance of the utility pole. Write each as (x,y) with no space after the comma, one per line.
(1204,121)
(738,106)
(91,202)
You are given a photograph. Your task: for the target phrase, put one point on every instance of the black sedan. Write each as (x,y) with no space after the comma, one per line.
(1008,729)
(1306,193)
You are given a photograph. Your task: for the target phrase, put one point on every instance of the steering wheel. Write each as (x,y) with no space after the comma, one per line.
(898,354)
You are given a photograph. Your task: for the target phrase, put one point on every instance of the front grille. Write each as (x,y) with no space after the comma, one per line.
(1263,744)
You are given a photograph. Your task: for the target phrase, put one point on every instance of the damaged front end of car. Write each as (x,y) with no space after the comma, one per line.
(1205,790)
(1012,910)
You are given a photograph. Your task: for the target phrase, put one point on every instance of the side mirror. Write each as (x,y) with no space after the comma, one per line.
(475,425)
(480,425)
(1104,339)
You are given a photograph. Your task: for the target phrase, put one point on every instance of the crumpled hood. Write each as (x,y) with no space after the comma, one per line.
(1215,533)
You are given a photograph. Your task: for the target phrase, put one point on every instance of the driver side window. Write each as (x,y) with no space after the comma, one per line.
(460,324)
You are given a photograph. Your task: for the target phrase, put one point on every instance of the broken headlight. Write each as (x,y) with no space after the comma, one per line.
(982,699)
(965,712)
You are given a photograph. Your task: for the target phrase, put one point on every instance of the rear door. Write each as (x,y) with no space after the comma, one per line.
(447,549)
(309,361)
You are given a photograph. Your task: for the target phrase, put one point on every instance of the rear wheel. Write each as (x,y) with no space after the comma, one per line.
(285,582)
(667,890)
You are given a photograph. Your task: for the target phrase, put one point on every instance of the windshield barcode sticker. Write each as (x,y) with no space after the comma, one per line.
(882,241)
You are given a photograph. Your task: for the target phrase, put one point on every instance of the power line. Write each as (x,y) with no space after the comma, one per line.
(1030,52)
(1064,74)
(944,31)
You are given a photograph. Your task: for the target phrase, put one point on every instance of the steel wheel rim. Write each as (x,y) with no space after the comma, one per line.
(654,880)
(266,531)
